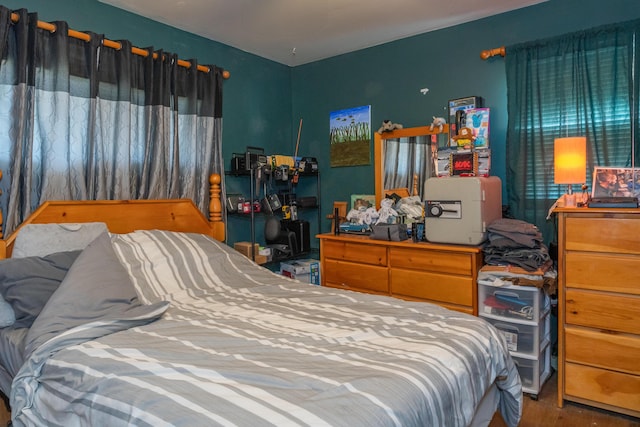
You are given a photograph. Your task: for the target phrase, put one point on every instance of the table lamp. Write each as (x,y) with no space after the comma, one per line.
(569,164)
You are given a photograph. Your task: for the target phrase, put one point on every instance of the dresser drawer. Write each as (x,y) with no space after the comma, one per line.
(608,387)
(607,272)
(356,252)
(604,350)
(347,275)
(432,286)
(587,234)
(436,261)
(604,311)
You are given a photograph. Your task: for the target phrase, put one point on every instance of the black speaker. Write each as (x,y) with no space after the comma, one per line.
(301,230)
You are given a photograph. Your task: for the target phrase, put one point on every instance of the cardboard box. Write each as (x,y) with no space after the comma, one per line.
(305,270)
(245,249)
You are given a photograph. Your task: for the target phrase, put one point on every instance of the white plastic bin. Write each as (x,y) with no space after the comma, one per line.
(513,302)
(534,372)
(523,338)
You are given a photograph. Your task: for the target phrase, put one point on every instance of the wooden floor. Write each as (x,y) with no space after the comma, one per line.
(5,417)
(545,412)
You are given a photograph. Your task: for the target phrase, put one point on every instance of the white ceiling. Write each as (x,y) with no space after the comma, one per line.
(295,32)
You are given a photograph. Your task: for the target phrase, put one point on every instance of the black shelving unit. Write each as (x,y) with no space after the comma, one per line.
(291,189)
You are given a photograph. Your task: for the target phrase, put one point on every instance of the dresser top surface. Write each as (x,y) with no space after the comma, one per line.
(586,210)
(408,244)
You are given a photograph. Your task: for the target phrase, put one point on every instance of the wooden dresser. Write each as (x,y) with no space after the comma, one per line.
(443,274)
(599,308)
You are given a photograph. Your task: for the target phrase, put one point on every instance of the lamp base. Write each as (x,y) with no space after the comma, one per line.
(570,200)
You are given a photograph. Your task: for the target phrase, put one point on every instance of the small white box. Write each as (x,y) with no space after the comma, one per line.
(305,270)
(298,266)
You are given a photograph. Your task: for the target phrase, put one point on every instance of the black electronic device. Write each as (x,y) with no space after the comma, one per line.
(307,201)
(238,162)
(281,173)
(457,112)
(301,230)
(271,204)
(613,202)
(286,198)
(308,165)
(232,202)
(254,158)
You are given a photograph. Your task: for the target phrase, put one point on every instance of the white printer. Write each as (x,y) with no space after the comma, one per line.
(459,209)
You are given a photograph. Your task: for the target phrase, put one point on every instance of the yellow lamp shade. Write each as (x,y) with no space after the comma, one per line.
(570,160)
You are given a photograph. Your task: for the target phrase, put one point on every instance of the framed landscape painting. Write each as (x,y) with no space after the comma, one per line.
(350,136)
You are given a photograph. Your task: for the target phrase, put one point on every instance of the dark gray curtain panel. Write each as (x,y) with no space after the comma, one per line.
(85,122)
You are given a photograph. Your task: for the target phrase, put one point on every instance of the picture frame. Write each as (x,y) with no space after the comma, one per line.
(350,136)
(363,200)
(615,182)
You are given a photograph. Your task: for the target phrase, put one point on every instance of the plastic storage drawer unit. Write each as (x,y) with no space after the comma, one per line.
(513,302)
(524,338)
(534,372)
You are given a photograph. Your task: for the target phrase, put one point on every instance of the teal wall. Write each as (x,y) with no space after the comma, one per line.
(389,78)
(264,101)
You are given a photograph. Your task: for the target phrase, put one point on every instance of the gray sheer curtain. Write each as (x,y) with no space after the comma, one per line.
(404,158)
(81,121)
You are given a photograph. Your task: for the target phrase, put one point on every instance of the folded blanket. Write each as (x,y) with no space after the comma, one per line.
(529,259)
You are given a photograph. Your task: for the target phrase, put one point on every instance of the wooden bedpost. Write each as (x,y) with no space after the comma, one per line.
(215,207)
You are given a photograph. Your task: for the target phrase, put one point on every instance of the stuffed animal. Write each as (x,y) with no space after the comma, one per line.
(464,139)
(386,214)
(438,122)
(388,126)
(362,215)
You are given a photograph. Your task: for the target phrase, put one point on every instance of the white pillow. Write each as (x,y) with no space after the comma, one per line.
(46,239)
(7,315)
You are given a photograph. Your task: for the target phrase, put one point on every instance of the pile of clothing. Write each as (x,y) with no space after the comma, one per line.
(517,243)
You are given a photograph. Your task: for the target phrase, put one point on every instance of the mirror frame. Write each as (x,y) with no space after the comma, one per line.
(378,157)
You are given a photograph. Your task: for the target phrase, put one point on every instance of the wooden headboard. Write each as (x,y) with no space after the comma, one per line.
(124,216)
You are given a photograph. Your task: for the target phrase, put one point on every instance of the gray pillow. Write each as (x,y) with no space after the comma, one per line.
(96,288)
(45,239)
(7,315)
(27,283)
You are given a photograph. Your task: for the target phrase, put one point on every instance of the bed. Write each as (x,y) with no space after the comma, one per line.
(156,322)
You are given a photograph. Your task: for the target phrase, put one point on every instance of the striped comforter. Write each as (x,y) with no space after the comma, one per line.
(241,346)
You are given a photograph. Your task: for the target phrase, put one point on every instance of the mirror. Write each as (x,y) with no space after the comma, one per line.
(405,158)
